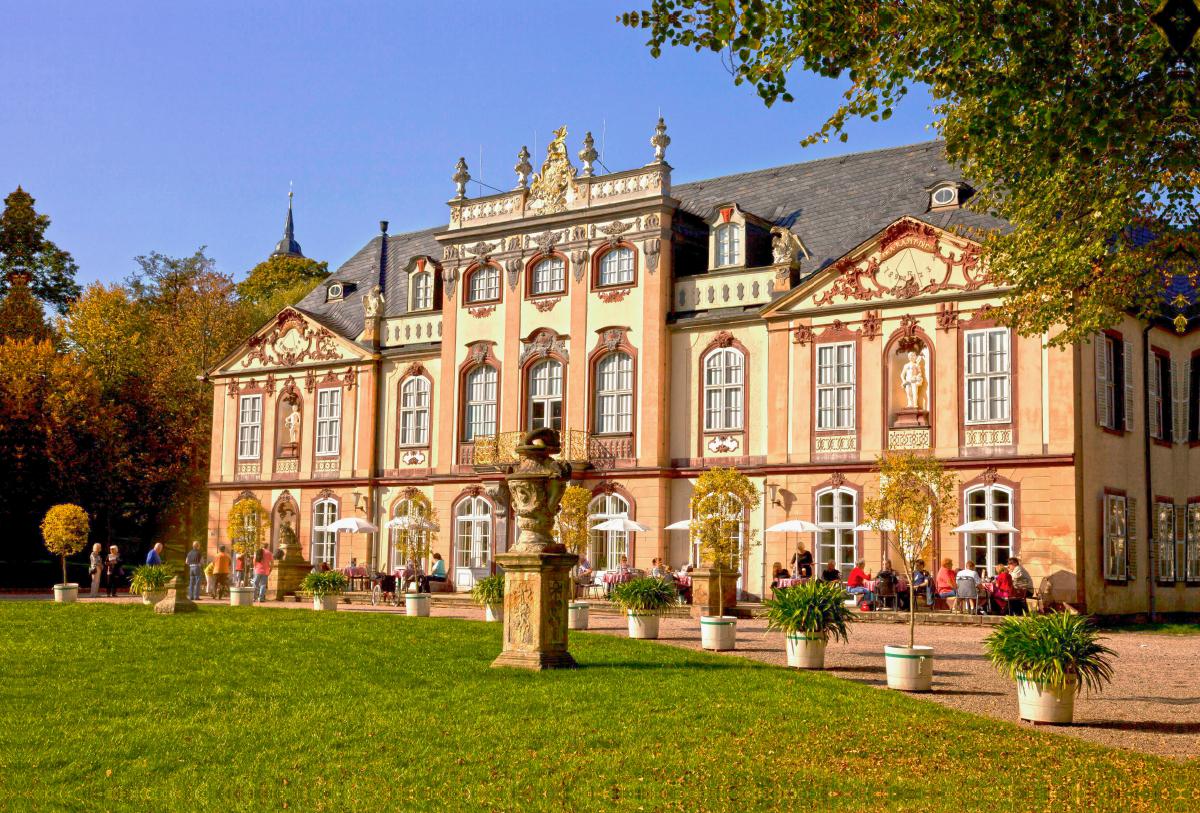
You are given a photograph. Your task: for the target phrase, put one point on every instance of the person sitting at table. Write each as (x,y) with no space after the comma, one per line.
(831,572)
(437,574)
(657,571)
(968,573)
(1002,591)
(856,582)
(584,570)
(945,580)
(778,572)
(802,562)
(922,581)
(623,566)
(1022,586)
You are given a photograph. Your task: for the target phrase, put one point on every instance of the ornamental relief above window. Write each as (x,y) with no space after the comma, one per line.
(289,340)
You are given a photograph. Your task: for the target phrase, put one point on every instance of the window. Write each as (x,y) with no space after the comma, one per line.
(329,421)
(1160,415)
(614,394)
(616,267)
(837,516)
(414,411)
(989,551)
(422,291)
(549,277)
(401,537)
(481,403)
(484,284)
(1165,527)
(1191,403)
(1115,537)
(324,543)
(1193,542)
(723,390)
(545,395)
(608,546)
(1114,383)
(334,292)
(249,427)
(729,249)
(835,386)
(1179,401)
(987,376)
(945,196)
(474,531)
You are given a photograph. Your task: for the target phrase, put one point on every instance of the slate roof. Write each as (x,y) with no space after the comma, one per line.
(831,204)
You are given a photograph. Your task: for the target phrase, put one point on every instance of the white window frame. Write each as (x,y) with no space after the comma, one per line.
(614,270)
(480,403)
(473,533)
(546,391)
(838,535)
(329,422)
(1193,542)
(728,245)
(836,389)
(323,547)
(549,277)
(1116,537)
(953,196)
(414,411)
(993,509)
(484,284)
(607,547)
(422,291)
(989,377)
(728,391)
(249,427)
(614,394)
(1164,527)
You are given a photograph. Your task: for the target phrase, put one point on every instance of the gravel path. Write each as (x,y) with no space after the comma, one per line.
(1153,704)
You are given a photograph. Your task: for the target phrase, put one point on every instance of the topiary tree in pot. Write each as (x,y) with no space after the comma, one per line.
(65,531)
(571,524)
(809,614)
(642,601)
(247,528)
(721,501)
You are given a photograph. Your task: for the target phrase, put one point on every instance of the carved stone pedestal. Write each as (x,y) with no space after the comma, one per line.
(911,418)
(704,590)
(176,600)
(287,573)
(536,589)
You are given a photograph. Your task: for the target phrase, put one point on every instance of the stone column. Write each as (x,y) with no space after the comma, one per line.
(536,569)
(704,589)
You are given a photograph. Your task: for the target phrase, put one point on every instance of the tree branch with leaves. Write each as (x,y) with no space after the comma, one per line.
(721,501)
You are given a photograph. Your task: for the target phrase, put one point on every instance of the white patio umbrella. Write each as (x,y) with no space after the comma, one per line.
(881,525)
(796,526)
(620,524)
(986,526)
(352,525)
(682,525)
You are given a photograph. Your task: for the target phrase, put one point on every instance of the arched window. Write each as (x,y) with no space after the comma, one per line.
(481,403)
(324,543)
(723,390)
(422,287)
(989,550)
(607,546)
(729,244)
(545,395)
(473,528)
(614,394)
(549,277)
(396,536)
(616,267)
(837,515)
(414,411)
(484,284)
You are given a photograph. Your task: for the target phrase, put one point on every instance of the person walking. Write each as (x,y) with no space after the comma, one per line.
(262,569)
(112,570)
(220,573)
(154,557)
(96,568)
(195,563)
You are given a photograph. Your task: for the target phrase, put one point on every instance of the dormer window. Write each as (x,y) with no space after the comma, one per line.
(729,244)
(335,292)
(945,195)
(422,287)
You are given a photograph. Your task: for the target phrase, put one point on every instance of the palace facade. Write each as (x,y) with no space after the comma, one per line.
(793,322)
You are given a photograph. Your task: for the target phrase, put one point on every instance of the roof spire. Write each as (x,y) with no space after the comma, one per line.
(288,247)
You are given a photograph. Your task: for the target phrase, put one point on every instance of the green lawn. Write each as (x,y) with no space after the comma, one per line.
(109,707)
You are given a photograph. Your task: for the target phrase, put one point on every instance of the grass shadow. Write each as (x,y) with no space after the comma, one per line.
(1149,726)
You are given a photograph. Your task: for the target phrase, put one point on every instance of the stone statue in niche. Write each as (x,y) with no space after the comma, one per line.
(292,422)
(915,383)
(912,378)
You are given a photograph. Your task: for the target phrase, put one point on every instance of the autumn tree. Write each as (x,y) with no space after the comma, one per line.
(279,273)
(21,316)
(571,524)
(25,253)
(65,531)
(721,501)
(1076,123)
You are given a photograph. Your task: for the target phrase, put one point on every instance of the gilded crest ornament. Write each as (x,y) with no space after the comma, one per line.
(555,185)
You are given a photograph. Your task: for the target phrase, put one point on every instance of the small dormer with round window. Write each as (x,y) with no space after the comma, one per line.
(947,195)
(737,239)
(336,290)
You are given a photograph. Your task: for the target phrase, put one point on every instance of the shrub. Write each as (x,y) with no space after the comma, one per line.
(645,595)
(1057,648)
(65,530)
(813,608)
(327,583)
(489,590)
(148,578)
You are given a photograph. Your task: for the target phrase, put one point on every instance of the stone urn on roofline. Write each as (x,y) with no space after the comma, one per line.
(536,569)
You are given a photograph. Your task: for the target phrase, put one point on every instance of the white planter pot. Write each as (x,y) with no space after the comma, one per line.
(577,615)
(1046,703)
(495,612)
(642,624)
(325,602)
(152,597)
(718,632)
(241,596)
(416,604)
(805,652)
(909,669)
(66,593)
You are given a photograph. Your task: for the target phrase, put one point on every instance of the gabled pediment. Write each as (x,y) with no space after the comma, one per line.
(907,260)
(289,339)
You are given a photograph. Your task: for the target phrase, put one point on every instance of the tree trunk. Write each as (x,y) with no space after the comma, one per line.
(64,565)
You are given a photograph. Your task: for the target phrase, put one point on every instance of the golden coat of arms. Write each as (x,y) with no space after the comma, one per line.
(555,185)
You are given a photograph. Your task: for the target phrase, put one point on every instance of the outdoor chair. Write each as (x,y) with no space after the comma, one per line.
(1040,595)
(966,593)
(885,590)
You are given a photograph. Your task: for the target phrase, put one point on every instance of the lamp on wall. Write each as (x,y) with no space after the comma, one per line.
(357,498)
(773,493)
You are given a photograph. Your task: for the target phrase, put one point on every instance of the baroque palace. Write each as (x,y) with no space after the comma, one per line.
(792,322)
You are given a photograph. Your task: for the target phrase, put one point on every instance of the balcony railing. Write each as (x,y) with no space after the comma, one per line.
(492,451)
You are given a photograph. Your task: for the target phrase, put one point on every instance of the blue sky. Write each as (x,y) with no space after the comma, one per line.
(151,127)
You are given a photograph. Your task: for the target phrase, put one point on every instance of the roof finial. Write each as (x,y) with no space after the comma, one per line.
(588,154)
(660,140)
(461,176)
(288,247)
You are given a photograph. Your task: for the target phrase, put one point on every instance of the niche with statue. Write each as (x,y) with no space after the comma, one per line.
(910,377)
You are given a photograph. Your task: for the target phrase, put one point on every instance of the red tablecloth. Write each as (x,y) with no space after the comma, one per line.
(789,583)
(683,580)
(613,577)
(354,572)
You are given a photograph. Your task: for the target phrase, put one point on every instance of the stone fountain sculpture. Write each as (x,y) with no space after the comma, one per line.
(536,569)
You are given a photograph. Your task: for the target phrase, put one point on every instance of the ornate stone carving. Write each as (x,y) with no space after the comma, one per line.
(990,475)
(449,252)
(479,313)
(802,335)
(720,443)
(478,352)
(550,188)
(416,368)
(546,305)
(523,168)
(824,444)
(612,338)
(514,244)
(652,247)
(911,439)
(245,495)
(518,611)
(373,303)
(579,259)
(588,154)
(310,381)
(450,279)
(615,228)
(543,344)
(289,340)
(785,246)
(837,479)
(947,317)
(908,234)
(269,386)
(547,240)
(481,250)
(652,221)
(513,267)
(461,176)
(723,339)
(613,296)
(325,494)
(412,457)
(660,141)
(349,378)
(872,325)
(578,233)
(536,489)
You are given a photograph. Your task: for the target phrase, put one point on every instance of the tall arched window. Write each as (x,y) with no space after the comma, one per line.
(545,395)
(324,543)
(484,284)
(608,546)
(473,530)
(994,503)
(616,267)
(729,244)
(422,287)
(414,411)
(837,515)
(549,277)
(723,393)
(614,394)
(481,403)
(396,536)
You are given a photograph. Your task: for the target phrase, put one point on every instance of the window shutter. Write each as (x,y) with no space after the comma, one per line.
(1155,389)
(1129,406)
(1178,405)
(1180,542)
(1131,537)
(1101,380)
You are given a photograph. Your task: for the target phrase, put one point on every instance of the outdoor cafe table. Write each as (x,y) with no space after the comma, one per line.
(614,577)
(352,573)
(789,583)
(683,580)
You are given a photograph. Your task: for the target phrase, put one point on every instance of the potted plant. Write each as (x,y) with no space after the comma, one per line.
(414,532)
(151,581)
(65,531)
(325,587)
(642,601)
(489,592)
(247,524)
(721,501)
(809,615)
(571,531)
(1050,656)
(915,494)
